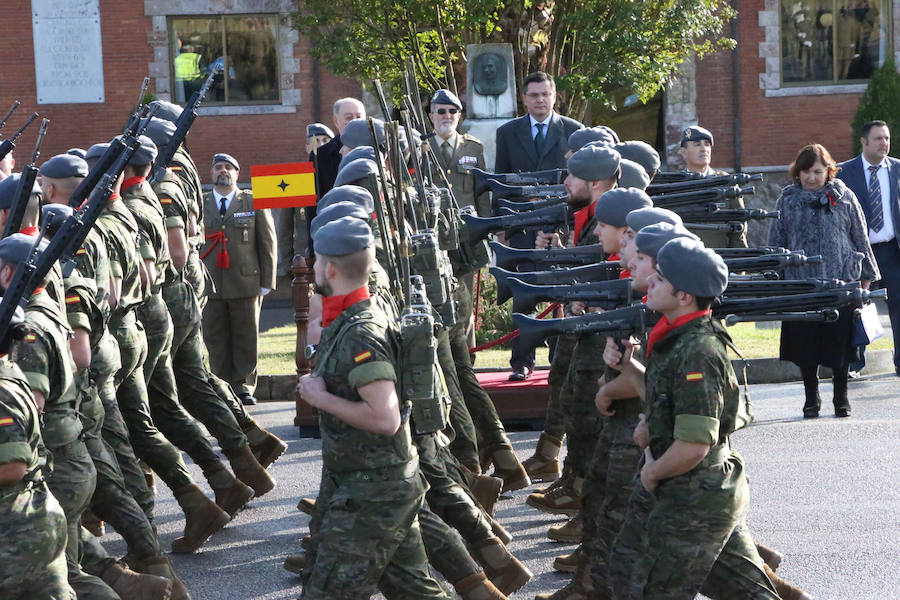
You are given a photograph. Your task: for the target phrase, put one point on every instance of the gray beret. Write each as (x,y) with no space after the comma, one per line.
(691,267)
(79,152)
(598,135)
(355,170)
(94,153)
(318,129)
(16,248)
(653,237)
(613,206)
(642,217)
(358,152)
(222,157)
(54,215)
(695,133)
(642,153)
(356,133)
(347,193)
(633,175)
(166,110)
(594,163)
(160,131)
(145,154)
(8,189)
(446,97)
(343,236)
(63,166)
(337,210)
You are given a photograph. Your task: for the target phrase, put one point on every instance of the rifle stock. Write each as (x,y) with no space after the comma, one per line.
(509,258)
(480,227)
(619,323)
(603,271)
(549,177)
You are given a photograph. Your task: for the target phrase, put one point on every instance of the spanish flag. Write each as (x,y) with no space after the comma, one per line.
(283,185)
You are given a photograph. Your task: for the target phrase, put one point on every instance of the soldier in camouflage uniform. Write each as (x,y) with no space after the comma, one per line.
(370,534)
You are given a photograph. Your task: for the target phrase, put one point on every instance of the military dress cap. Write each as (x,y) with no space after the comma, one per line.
(642,153)
(166,110)
(145,153)
(337,210)
(343,236)
(358,152)
(94,153)
(357,133)
(314,129)
(693,268)
(613,207)
(16,248)
(54,215)
(8,189)
(63,166)
(638,219)
(594,163)
(633,175)
(356,170)
(347,193)
(695,133)
(446,97)
(160,131)
(222,157)
(653,237)
(591,135)
(79,152)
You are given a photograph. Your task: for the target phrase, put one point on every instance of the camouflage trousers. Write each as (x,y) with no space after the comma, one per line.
(33,554)
(555,418)
(582,421)
(464,443)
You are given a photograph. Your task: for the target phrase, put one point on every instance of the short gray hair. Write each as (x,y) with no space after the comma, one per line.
(336,109)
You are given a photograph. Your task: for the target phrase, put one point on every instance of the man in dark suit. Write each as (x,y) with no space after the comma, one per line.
(875,179)
(534,142)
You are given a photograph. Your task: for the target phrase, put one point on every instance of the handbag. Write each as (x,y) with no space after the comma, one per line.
(866,325)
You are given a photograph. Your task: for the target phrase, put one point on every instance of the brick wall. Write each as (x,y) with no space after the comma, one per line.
(126,31)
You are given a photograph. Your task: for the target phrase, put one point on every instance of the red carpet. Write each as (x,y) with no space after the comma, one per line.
(499,380)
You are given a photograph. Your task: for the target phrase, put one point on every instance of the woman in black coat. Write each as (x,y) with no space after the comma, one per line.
(821,216)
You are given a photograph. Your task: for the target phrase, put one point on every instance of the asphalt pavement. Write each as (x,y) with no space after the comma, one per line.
(824,492)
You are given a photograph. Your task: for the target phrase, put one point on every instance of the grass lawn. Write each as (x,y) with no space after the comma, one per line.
(276,348)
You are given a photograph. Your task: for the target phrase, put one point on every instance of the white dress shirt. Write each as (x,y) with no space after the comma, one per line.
(228,199)
(887,232)
(545,122)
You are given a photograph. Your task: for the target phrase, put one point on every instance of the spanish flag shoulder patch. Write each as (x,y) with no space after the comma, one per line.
(72,299)
(6,421)
(80,251)
(694,376)
(30,337)
(362,356)
(164,200)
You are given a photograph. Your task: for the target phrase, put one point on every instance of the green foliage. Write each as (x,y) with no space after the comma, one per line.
(881,100)
(494,321)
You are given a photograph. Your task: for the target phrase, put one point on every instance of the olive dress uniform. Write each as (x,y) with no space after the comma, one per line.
(723,239)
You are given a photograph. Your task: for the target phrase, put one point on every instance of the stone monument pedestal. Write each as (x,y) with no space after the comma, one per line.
(486,131)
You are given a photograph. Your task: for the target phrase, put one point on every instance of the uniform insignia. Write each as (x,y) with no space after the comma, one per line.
(72,299)
(362,356)
(80,251)
(6,421)
(165,201)
(176,168)
(243,214)
(467,160)
(30,338)
(695,376)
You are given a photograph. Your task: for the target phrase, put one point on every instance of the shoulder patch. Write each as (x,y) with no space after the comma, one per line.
(80,251)
(362,356)
(694,376)
(72,299)
(6,421)
(30,338)
(164,200)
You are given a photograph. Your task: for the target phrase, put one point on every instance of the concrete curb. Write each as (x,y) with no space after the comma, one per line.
(759,370)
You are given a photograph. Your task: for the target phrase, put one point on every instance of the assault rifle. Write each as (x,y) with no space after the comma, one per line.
(659,189)
(525,206)
(726,215)
(603,271)
(748,252)
(9,113)
(26,185)
(675,177)
(552,216)
(781,287)
(771,262)
(509,258)
(8,144)
(549,177)
(700,197)
(603,294)
(731,227)
(501,190)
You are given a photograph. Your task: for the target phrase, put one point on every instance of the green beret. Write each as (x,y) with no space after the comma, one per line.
(343,236)
(357,133)
(166,110)
(642,153)
(446,97)
(613,207)
(653,237)
(63,166)
(356,170)
(222,157)
(347,193)
(358,152)
(314,129)
(337,210)
(594,163)
(160,131)
(53,216)
(691,267)
(695,133)
(580,138)
(633,175)
(638,219)
(16,248)
(8,188)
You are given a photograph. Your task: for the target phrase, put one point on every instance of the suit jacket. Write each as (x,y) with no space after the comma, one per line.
(250,239)
(515,145)
(326,160)
(853,174)
(469,152)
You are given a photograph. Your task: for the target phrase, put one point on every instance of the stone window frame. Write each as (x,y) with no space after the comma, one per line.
(770,51)
(289,67)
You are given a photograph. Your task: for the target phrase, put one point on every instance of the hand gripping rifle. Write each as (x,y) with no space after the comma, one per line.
(549,177)
(603,271)
(26,184)
(659,189)
(511,258)
(603,294)
(8,144)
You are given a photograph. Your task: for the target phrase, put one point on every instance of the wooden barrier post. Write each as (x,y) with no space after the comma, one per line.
(300,292)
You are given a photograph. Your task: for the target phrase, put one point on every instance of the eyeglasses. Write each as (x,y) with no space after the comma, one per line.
(443,111)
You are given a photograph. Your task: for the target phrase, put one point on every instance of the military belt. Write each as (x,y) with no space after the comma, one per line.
(389,473)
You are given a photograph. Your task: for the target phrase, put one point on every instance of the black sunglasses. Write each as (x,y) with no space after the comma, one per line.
(443,111)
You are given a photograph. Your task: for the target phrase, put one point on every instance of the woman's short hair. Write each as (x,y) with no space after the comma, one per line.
(808,156)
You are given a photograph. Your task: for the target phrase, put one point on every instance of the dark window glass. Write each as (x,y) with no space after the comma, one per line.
(244,45)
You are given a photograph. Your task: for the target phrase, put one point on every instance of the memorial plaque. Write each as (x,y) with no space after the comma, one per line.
(490,82)
(68,51)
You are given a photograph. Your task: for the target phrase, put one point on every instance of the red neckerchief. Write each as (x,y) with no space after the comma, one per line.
(582,217)
(664,327)
(333,306)
(32,231)
(132,181)
(624,273)
(112,197)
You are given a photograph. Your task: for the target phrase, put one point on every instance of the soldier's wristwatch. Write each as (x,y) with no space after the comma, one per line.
(310,351)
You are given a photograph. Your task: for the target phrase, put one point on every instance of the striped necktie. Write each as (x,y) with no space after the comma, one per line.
(876,210)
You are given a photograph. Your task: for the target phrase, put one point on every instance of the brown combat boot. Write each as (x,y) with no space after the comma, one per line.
(307,505)
(501,567)
(247,469)
(565,479)
(499,530)
(574,590)
(93,523)
(477,587)
(785,590)
(543,465)
(232,495)
(563,500)
(162,567)
(295,563)
(202,518)
(770,556)
(136,586)
(508,468)
(571,532)
(265,445)
(486,490)
(568,563)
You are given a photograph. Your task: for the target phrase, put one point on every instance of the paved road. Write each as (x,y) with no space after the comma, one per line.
(825,493)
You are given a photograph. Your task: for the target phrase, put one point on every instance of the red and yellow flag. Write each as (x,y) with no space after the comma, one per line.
(283,185)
